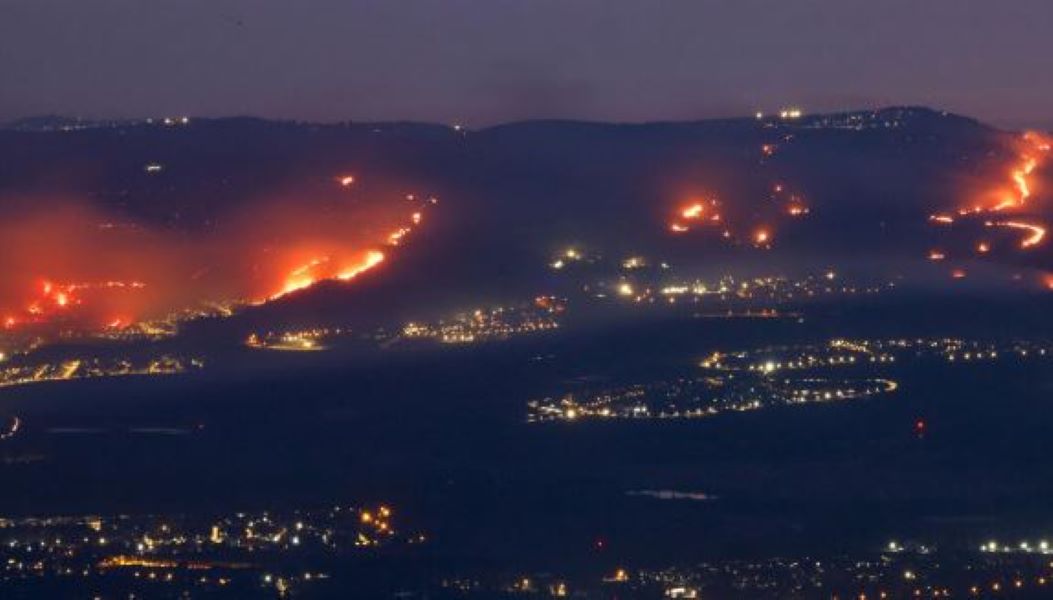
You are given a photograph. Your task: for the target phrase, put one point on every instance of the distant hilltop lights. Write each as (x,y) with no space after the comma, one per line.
(169,121)
(786,113)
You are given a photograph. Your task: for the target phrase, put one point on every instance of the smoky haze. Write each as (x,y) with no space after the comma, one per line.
(485,61)
(93,269)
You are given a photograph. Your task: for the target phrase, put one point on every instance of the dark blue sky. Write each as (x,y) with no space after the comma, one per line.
(484,61)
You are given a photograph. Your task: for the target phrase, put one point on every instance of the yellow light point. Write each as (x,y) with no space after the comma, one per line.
(942,219)
(761,237)
(625,289)
(694,211)
(983,247)
(572,254)
(936,255)
(416,218)
(347,180)
(366,517)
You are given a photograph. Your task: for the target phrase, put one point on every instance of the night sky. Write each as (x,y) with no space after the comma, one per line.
(480,62)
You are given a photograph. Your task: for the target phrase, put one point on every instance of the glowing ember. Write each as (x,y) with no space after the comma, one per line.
(1036,232)
(373,258)
(761,237)
(693,212)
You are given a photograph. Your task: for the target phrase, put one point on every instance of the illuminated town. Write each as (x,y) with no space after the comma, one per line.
(898,571)
(775,376)
(240,553)
(65,370)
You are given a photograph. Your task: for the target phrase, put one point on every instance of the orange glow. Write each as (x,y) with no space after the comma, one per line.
(693,212)
(958,274)
(67,268)
(395,237)
(347,180)
(319,269)
(1036,233)
(677,228)
(372,259)
(937,255)
(301,277)
(761,237)
(1020,178)
(1011,196)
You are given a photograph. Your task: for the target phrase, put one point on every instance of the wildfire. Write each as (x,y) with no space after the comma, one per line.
(1036,232)
(65,270)
(1011,196)
(321,268)
(372,259)
(693,212)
